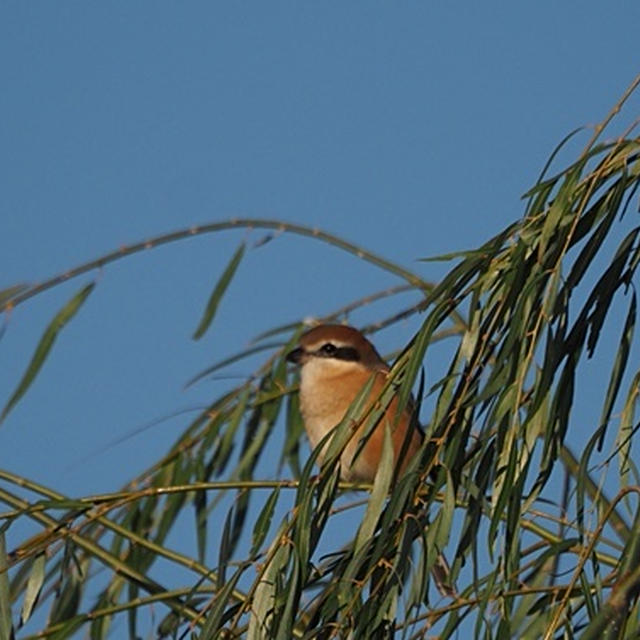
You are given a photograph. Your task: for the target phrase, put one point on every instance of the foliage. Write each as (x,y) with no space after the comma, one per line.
(521,315)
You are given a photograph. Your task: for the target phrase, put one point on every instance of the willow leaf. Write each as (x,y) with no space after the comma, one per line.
(218,292)
(626,430)
(236,357)
(262,606)
(211,628)
(34,586)
(261,528)
(378,494)
(44,346)
(5,600)
(620,364)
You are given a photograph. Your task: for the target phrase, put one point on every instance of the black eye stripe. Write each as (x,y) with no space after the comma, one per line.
(347,353)
(338,353)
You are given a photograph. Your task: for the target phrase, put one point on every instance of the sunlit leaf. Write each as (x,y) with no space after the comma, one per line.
(262,609)
(34,586)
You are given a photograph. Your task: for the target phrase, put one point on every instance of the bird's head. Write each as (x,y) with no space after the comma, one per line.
(335,349)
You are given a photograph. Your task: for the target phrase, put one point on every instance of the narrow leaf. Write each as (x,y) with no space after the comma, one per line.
(261,528)
(379,493)
(266,588)
(218,292)
(231,360)
(226,548)
(211,628)
(620,364)
(44,346)
(36,578)
(200,504)
(5,600)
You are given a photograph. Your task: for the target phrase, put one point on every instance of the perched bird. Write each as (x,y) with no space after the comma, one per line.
(336,362)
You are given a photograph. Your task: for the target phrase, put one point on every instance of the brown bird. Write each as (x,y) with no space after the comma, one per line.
(336,362)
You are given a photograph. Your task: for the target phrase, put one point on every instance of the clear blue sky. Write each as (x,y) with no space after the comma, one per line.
(409,128)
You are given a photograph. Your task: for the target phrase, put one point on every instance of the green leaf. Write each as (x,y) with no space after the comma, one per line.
(227,544)
(626,430)
(285,628)
(454,255)
(266,590)
(541,181)
(418,350)
(200,504)
(67,602)
(293,432)
(440,529)
(218,292)
(44,346)
(225,444)
(245,353)
(6,628)
(68,628)
(620,364)
(215,616)
(261,528)
(379,494)
(34,586)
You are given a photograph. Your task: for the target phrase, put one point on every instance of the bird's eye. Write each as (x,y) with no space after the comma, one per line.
(328,349)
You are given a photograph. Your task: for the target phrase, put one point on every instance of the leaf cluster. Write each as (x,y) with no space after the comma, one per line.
(523,316)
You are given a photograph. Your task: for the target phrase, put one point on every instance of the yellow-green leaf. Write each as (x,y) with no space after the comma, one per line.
(44,346)
(34,586)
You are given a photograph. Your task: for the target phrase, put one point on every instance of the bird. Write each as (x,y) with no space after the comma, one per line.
(336,362)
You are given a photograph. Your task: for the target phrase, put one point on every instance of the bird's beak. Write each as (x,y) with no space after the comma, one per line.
(295,356)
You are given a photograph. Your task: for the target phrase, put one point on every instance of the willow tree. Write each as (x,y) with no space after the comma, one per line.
(535,505)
